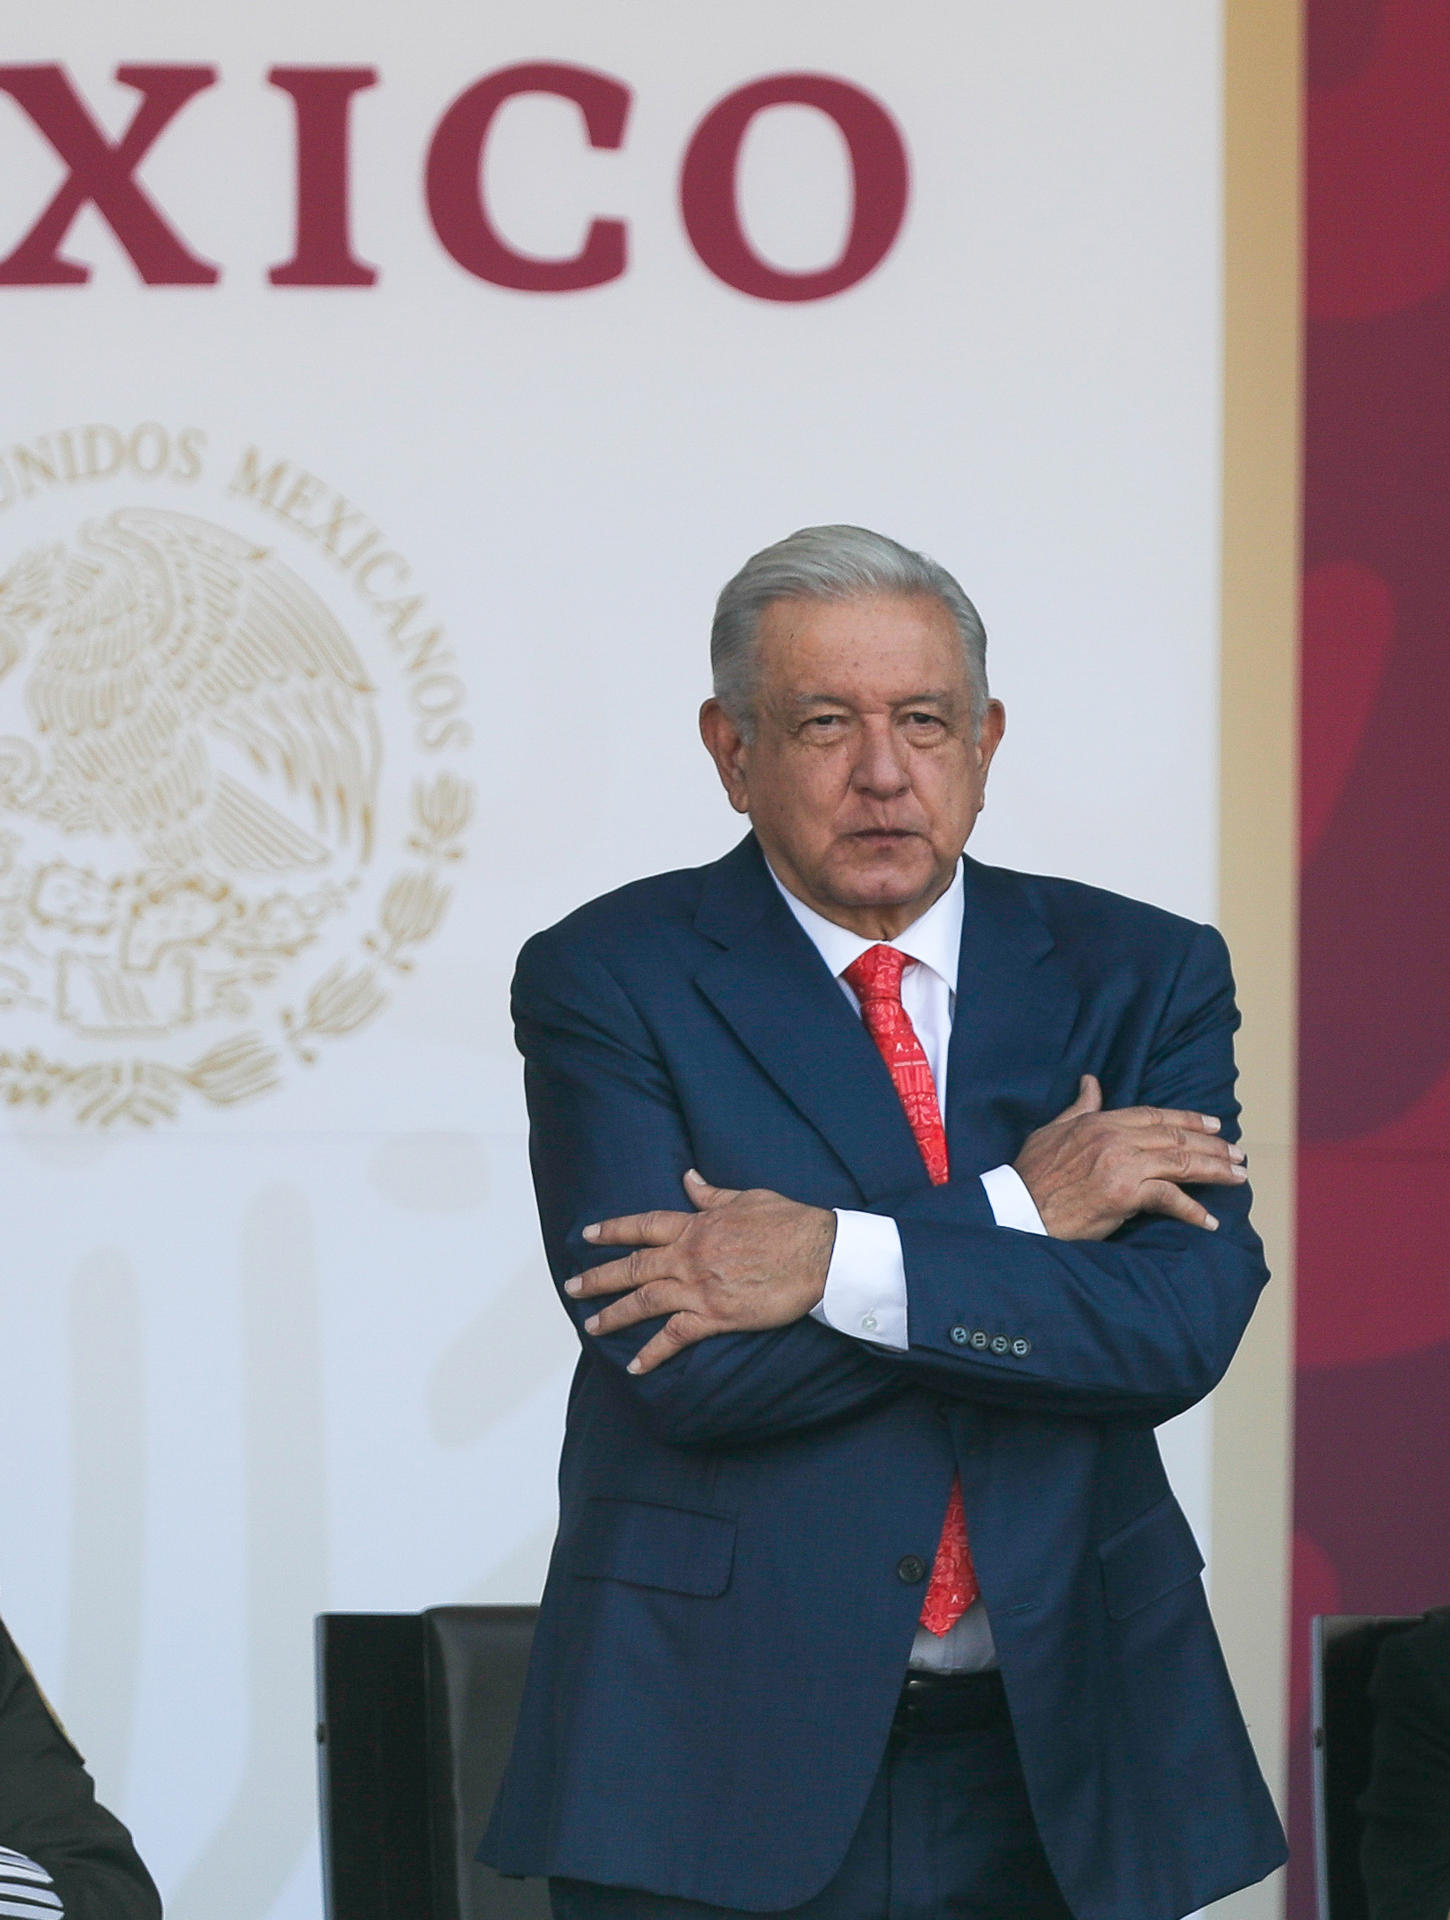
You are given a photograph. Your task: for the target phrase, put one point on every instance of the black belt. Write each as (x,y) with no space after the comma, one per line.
(951,1702)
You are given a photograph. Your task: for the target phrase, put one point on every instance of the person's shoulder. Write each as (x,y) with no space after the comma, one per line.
(1077,914)
(619,927)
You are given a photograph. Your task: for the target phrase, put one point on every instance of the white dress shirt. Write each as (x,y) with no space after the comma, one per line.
(865,1293)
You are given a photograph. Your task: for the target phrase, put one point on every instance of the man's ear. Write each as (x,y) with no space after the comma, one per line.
(727,748)
(989,736)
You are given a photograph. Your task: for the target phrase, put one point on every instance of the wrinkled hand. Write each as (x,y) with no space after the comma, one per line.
(1088,1171)
(740,1263)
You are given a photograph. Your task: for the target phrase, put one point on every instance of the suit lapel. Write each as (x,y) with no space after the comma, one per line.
(773,989)
(1015,1010)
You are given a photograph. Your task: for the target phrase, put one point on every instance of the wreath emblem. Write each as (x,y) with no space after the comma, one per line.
(198,879)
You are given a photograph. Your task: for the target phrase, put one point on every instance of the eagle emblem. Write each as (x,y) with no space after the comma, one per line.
(210,873)
(190,693)
(201,753)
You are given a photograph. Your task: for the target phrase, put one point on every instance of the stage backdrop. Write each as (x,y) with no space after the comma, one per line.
(1372,1416)
(388,392)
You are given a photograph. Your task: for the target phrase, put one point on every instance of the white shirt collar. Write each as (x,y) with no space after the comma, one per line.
(934,940)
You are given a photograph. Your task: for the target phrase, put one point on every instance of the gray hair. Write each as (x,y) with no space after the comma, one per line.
(828,563)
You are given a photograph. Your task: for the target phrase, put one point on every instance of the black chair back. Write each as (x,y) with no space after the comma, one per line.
(1345,1646)
(415,1716)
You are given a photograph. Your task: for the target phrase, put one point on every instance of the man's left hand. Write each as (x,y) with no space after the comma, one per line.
(742,1262)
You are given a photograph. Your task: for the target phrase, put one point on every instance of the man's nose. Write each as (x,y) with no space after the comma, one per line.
(880,768)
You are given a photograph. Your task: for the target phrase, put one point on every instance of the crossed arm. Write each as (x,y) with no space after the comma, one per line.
(1140,1323)
(743,1262)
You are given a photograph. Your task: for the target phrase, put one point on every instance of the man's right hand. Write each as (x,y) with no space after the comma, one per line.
(1088,1171)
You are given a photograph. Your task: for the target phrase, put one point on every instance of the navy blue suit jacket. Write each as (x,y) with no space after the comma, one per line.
(724,1630)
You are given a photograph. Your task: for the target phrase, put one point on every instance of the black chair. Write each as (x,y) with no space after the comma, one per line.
(1345,1646)
(415,1715)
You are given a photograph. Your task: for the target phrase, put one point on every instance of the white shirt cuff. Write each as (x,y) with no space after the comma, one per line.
(865,1293)
(1012,1205)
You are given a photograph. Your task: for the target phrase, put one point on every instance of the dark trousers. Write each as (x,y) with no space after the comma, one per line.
(947,1833)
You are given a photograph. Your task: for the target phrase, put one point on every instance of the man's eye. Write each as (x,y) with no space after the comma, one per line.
(823,722)
(924,719)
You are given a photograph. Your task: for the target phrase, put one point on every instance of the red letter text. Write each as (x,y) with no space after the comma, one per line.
(104,175)
(455,190)
(323,256)
(710,204)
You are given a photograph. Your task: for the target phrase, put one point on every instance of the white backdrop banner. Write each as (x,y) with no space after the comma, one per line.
(388,393)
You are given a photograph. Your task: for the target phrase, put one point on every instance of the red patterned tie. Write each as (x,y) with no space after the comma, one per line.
(875,979)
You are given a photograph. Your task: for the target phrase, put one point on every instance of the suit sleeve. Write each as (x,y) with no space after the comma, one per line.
(1140,1325)
(49,1812)
(606,1137)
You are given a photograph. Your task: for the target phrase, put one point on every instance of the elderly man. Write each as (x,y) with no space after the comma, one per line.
(870,1597)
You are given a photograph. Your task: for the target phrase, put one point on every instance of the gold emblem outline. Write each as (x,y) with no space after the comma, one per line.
(346,996)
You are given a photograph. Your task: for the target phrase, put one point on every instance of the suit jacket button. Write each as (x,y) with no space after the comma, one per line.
(960,1336)
(911,1568)
(979,1340)
(1021,1348)
(999,1343)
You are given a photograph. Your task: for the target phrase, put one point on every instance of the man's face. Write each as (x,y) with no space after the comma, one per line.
(865,775)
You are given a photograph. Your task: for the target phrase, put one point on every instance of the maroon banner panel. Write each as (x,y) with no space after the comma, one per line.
(1372,1435)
